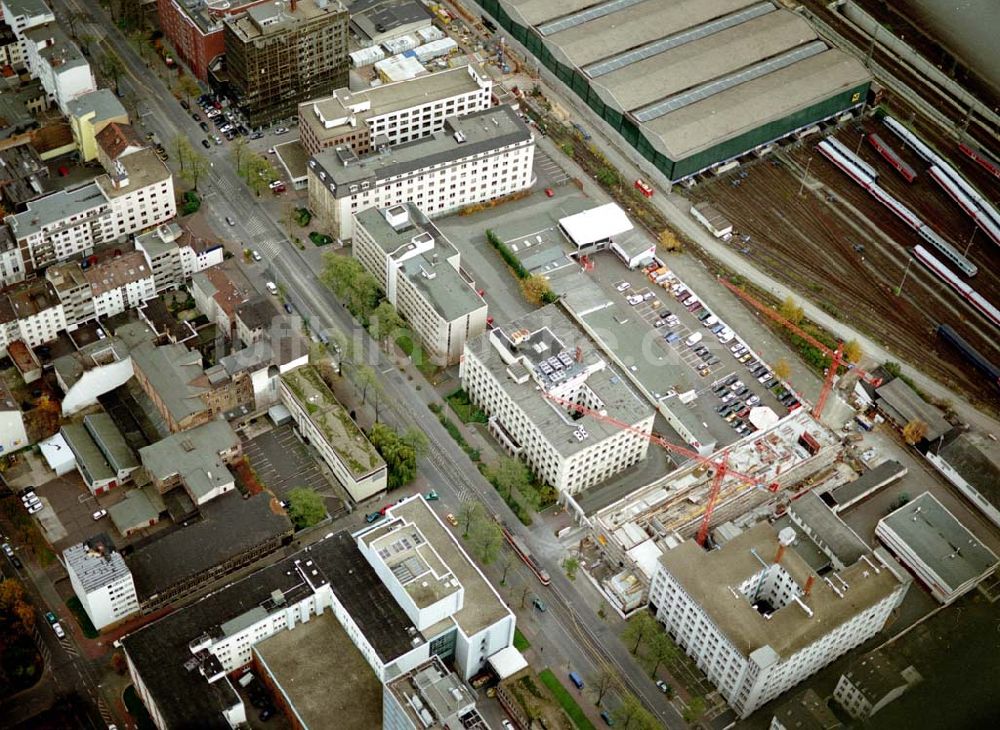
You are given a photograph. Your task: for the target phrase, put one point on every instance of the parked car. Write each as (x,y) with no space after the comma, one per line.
(206,144)
(663,686)
(51,617)
(452,520)
(272,288)
(255,255)
(256,135)
(606,716)
(539,604)
(373,517)
(622,286)
(185,105)
(671,337)
(280,131)
(8,550)
(753,400)
(99,514)
(432,496)
(35,507)
(230,220)
(58,630)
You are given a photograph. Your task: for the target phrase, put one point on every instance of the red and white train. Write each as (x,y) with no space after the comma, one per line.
(890,155)
(967,292)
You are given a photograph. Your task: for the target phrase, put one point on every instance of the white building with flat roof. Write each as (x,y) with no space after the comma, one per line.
(101,580)
(474,158)
(511,371)
(58,63)
(320,418)
(419,270)
(174,255)
(758,620)
(137,194)
(429,697)
(23,14)
(940,550)
(392,113)
(438,586)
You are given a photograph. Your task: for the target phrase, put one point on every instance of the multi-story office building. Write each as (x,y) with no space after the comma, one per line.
(196,651)
(392,113)
(175,255)
(196,31)
(104,289)
(101,580)
(58,63)
(757,619)
(474,158)
(321,418)
(419,270)
(137,194)
(524,374)
(279,54)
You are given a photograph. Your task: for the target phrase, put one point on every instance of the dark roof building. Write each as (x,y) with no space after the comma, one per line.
(902,404)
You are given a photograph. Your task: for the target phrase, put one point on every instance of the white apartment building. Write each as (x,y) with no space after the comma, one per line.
(11,264)
(419,270)
(322,420)
(511,372)
(12,433)
(31,312)
(757,619)
(23,14)
(138,194)
(104,289)
(474,158)
(57,62)
(931,542)
(175,255)
(392,113)
(101,580)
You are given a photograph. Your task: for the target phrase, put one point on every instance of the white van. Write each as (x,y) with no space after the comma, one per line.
(272,287)
(710,321)
(726,337)
(693,339)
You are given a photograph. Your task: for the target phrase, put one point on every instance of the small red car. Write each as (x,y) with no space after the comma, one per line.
(549,192)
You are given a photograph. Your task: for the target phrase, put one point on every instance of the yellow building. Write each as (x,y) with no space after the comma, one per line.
(89,114)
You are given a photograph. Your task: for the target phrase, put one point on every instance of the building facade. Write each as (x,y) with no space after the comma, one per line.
(102,581)
(30,312)
(21,15)
(175,255)
(420,272)
(196,461)
(758,628)
(474,158)
(282,53)
(58,63)
(89,114)
(525,376)
(13,436)
(392,113)
(137,195)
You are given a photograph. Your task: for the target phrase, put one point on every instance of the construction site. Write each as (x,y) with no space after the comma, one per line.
(804,221)
(756,478)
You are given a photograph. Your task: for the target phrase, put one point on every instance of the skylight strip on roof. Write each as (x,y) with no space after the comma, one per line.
(581,17)
(653,48)
(723,83)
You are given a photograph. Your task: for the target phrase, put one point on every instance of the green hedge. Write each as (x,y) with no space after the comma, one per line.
(566,700)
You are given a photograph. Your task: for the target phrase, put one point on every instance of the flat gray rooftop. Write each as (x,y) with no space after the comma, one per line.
(904,404)
(343,694)
(939,540)
(609,384)
(707,578)
(826,529)
(977,460)
(482,131)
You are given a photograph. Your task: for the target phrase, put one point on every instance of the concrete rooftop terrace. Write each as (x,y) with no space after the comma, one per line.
(482,605)
(712,579)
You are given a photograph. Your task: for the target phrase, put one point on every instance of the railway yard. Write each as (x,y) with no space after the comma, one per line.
(816,229)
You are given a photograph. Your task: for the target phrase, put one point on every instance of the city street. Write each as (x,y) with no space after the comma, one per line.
(579,638)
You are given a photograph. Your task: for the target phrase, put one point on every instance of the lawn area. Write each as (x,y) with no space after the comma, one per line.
(466,411)
(74,605)
(320,239)
(520,642)
(566,700)
(412,348)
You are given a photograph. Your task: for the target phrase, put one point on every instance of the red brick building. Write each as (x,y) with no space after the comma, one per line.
(196,33)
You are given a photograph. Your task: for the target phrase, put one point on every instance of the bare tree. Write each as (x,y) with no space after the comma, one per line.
(507,558)
(603,681)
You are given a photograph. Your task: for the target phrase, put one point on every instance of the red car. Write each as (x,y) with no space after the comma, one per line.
(549,192)
(386,509)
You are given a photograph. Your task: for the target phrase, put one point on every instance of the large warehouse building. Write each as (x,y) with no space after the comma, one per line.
(688,83)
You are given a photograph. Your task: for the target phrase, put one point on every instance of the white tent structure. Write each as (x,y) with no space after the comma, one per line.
(595,226)
(763,417)
(507,662)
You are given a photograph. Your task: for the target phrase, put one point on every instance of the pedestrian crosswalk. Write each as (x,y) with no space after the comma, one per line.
(68,647)
(105,712)
(254,226)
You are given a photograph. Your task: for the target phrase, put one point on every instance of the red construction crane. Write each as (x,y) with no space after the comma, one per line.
(721,467)
(836,356)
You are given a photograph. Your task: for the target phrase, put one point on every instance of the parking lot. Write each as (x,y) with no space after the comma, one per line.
(701,354)
(548,172)
(282,463)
